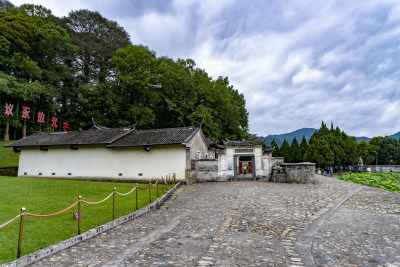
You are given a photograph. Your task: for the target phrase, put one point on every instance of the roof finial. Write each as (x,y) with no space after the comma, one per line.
(97,126)
(201,123)
(133,127)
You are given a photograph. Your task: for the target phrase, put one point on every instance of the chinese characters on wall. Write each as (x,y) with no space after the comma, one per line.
(40,118)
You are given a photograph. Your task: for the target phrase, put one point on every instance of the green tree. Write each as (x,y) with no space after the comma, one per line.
(390,151)
(343,147)
(83,66)
(276,152)
(136,92)
(98,39)
(320,153)
(295,151)
(363,149)
(16,40)
(375,145)
(18,31)
(303,148)
(285,151)
(350,149)
(35,14)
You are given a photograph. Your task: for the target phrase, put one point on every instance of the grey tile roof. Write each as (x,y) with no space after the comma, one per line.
(87,137)
(269,149)
(110,137)
(157,137)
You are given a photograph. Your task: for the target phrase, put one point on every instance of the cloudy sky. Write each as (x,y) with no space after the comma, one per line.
(296,62)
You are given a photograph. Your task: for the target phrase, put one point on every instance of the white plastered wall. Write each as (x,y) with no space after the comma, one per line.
(267,165)
(102,162)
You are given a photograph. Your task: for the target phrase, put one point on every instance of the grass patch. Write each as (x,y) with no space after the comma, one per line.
(7,156)
(389,181)
(47,196)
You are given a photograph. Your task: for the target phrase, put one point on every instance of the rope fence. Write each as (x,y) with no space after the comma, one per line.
(163,181)
(101,201)
(10,221)
(54,214)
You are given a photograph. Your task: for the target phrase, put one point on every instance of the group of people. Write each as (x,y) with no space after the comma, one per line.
(330,169)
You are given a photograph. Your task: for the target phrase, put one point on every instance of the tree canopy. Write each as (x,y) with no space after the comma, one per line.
(84,66)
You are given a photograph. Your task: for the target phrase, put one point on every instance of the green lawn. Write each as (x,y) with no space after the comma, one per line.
(46,196)
(7,156)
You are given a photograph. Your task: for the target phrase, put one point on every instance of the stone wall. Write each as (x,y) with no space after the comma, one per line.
(303,172)
(277,160)
(278,174)
(206,170)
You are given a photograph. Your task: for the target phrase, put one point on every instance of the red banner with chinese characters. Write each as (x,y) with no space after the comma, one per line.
(34,115)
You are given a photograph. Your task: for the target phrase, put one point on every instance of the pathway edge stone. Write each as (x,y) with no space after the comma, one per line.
(304,244)
(40,254)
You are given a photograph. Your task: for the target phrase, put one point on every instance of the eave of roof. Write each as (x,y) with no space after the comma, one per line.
(110,137)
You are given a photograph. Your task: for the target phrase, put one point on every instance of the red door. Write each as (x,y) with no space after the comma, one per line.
(250,168)
(240,167)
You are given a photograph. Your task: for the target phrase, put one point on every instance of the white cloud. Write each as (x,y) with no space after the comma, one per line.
(307,75)
(297,62)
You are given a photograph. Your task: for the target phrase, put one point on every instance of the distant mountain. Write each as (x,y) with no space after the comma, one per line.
(396,135)
(359,139)
(307,132)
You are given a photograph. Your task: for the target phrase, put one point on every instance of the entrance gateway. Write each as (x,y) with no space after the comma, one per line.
(236,154)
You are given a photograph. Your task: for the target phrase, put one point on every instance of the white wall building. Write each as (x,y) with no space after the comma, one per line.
(139,155)
(103,153)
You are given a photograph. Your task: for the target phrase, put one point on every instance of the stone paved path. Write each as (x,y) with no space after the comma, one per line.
(253,224)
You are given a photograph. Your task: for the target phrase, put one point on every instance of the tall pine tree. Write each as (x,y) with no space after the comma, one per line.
(295,151)
(303,148)
(276,152)
(285,151)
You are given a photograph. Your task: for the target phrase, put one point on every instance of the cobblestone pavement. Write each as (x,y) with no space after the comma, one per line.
(252,224)
(365,231)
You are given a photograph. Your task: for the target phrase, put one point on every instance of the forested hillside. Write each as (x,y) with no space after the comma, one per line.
(333,147)
(279,138)
(84,65)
